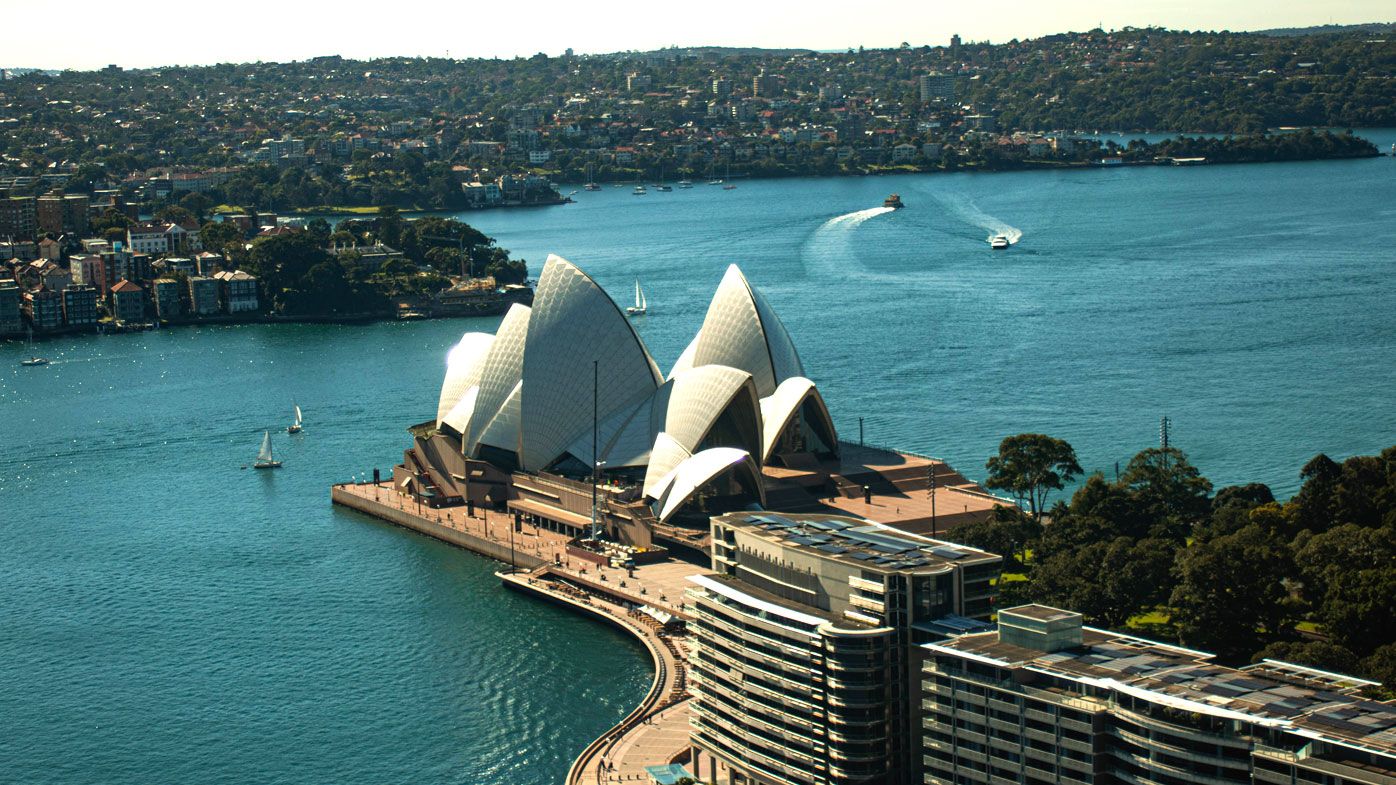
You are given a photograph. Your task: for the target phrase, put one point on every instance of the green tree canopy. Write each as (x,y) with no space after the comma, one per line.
(1030,466)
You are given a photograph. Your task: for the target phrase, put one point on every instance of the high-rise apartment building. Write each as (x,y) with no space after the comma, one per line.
(1046,700)
(937,87)
(804,664)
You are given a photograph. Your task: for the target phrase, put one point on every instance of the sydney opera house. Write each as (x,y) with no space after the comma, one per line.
(564,404)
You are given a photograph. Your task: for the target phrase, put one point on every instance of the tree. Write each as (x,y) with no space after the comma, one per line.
(220,234)
(1107,581)
(1031,466)
(1316,654)
(174,214)
(1007,532)
(1231,591)
(1168,490)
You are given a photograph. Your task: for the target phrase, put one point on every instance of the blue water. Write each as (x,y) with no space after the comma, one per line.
(169,617)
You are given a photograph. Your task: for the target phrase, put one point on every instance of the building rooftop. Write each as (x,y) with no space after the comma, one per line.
(1303,700)
(867,544)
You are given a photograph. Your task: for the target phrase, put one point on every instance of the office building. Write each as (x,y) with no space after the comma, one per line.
(805,645)
(1045,699)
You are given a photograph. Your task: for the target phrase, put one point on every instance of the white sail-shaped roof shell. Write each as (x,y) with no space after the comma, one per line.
(463,366)
(678,486)
(685,408)
(741,331)
(573,324)
(664,459)
(502,372)
(503,430)
(781,407)
(458,419)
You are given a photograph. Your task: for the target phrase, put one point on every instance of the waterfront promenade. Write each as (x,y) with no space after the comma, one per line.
(656,731)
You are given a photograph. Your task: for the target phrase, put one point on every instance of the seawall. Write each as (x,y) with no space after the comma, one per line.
(423,524)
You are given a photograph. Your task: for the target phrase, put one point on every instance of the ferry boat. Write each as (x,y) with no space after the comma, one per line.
(998,242)
(894,201)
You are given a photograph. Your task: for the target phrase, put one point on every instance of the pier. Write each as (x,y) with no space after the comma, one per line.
(656,731)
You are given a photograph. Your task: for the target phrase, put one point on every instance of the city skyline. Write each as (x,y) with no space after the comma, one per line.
(281,33)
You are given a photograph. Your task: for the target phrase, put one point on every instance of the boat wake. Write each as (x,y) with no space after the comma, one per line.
(964,208)
(829,251)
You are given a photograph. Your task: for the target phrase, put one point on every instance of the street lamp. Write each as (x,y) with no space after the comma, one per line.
(595,516)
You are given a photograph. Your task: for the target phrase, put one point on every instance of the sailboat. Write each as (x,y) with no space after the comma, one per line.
(591,184)
(34,359)
(295,427)
(729,186)
(264,456)
(641,307)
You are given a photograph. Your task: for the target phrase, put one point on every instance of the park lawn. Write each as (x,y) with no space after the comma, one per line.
(339,210)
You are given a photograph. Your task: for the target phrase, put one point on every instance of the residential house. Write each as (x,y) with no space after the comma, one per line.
(203,296)
(43,309)
(167,298)
(239,290)
(128,302)
(148,237)
(79,305)
(23,251)
(10,320)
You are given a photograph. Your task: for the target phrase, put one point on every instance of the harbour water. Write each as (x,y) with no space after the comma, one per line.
(171,617)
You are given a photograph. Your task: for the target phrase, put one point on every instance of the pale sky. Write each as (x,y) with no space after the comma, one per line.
(86,34)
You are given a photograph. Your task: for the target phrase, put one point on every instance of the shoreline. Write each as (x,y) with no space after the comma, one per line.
(533,575)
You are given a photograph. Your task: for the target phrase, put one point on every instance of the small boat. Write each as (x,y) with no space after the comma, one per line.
(640,190)
(34,359)
(641,307)
(685,183)
(571,193)
(729,187)
(894,201)
(592,186)
(663,188)
(714,182)
(295,427)
(999,242)
(264,455)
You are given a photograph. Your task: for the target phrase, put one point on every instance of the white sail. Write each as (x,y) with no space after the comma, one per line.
(639,295)
(265,453)
(298,413)
(644,304)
